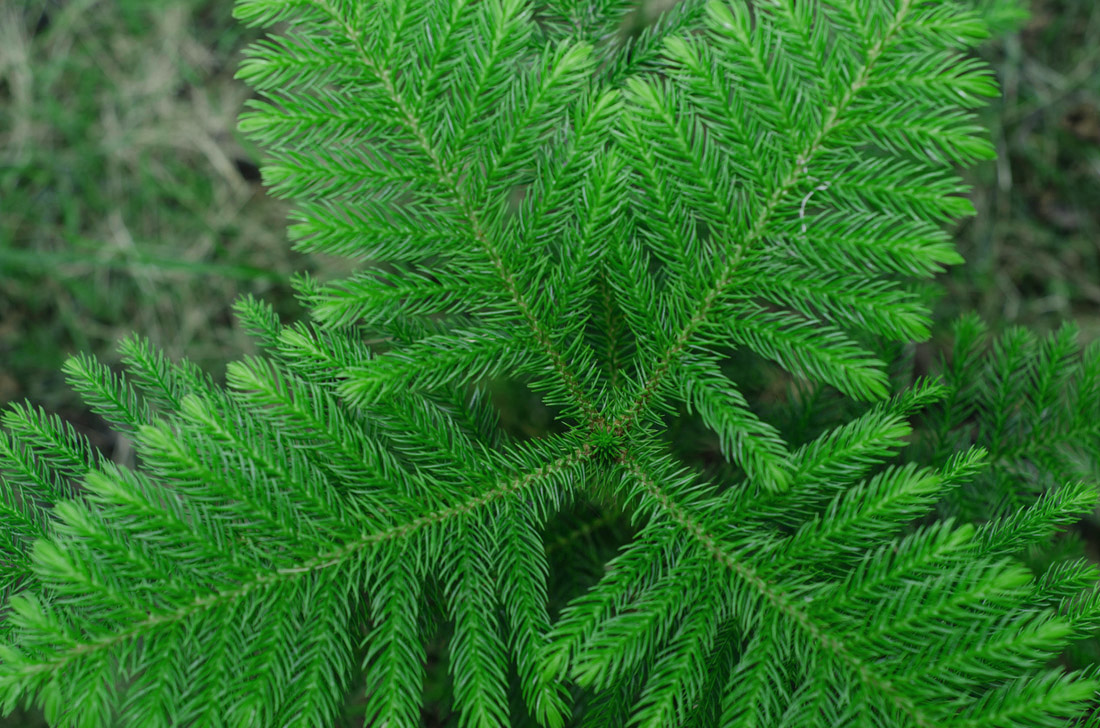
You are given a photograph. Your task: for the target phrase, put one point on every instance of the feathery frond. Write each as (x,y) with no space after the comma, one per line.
(540,194)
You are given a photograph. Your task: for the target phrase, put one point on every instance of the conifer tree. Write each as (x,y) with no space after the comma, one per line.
(635,227)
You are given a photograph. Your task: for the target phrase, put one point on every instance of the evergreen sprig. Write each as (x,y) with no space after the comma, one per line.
(538,196)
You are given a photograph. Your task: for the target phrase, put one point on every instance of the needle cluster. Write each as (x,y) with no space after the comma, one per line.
(611,219)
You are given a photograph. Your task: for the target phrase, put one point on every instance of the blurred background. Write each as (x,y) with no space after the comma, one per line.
(129,202)
(1033,250)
